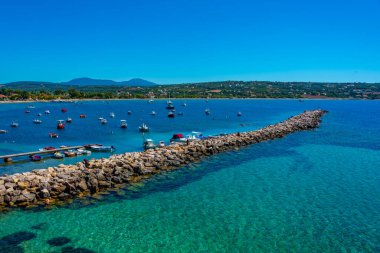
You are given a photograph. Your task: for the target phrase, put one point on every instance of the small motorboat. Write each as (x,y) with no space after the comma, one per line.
(112,115)
(82,116)
(69,153)
(2,131)
(153,113)
(161,144)
(35,158)
(39,114)
(14,124)
(69,120)
(27,111)
(60,124)
(31,107)
(239,114)
(184,104)
(58,155)
(100,118)
(53,135)
(84,151)
(169,105)
(143,128)
(148,144)
(47,148)
(195,136)
(47,112)
(171,114)
(123,123)
(129,112)
(102,148)
(103,121)
(207,112)
(178,138)
(150,101)
(63,110)
(37,121)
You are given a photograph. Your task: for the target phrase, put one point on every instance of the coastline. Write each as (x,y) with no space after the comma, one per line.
(56,185)
(145,99)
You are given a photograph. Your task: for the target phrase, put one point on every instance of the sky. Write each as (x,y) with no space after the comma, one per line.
(179,41)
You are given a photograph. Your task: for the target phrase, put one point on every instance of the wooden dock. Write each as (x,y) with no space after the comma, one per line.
(8,158)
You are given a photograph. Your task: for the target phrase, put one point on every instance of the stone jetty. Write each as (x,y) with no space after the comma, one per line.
(66,182)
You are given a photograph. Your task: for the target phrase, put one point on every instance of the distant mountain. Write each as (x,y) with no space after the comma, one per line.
(89,81)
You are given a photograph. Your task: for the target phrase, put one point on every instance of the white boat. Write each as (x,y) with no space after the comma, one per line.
(153,113)
(207,112)
(39,114)
(194,136)
(169,105)
(112,115)
(58,155)
(143,128)
(239,114)
(83,151)
(31,107)
(47,112)
(2,131)
(102,148)
(103,121)
(129,112)
(148,144)
(184,104)
(37,121)
(14,124)
(150,101)
(161,144)
(100,118)
(123,123)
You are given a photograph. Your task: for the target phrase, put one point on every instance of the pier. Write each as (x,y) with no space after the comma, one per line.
(60,184)
(8,158)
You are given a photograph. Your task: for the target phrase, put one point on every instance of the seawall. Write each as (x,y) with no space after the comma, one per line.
(66,182)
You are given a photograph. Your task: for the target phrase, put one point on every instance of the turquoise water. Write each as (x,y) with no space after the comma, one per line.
(315,191)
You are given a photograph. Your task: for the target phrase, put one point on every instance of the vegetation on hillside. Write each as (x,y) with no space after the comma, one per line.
(225,89)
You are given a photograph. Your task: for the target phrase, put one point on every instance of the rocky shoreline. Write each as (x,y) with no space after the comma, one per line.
(66,182)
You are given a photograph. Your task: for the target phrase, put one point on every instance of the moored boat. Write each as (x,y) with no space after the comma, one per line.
(53,135)
(171,114)
(103,121)
(123,123)
(69,153)
(153,113)
(161,144)
(129,112)
(58,155)
(102,148)
(47,112)
(207,112)
(82,116)
(14,124)
(35,158)
(69,120)
(148,144)
(239,114)
(27,111)
(63,110)
(37,121)
(169,105)
(60,124)
(112,115)
(2,131)
(143,128)
(194,136)
(84,151)
(178,138)
(39,114)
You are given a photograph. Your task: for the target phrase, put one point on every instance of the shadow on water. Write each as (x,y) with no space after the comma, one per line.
(10,243)
(58,241)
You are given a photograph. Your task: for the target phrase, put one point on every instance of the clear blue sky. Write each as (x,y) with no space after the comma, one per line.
(175,41)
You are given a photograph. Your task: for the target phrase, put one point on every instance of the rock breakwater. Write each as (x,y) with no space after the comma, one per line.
(66,182)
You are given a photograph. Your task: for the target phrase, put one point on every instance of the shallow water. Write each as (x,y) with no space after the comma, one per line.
(314,191)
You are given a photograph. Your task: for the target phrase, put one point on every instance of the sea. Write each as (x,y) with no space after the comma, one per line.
(312,191)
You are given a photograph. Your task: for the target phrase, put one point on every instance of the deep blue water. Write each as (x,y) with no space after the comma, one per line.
(313,191)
